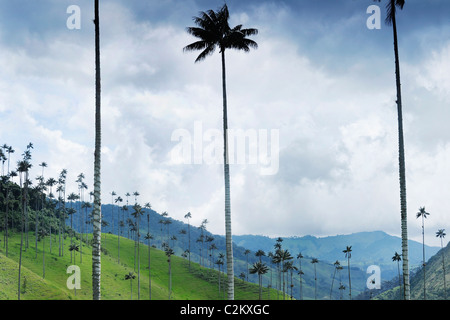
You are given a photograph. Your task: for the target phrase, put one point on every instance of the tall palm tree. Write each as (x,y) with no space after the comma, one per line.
(149,237)
(348,255)
(23,167)
(214,31)
(336,264)
(42,234)
(300,273)
(130,276)
(97,219)
(169,252)
(441,234)
(422,213)
(260,269)
(247,252)
(188,216)
(391,20)
(137,214)
(314,261)
(398,258)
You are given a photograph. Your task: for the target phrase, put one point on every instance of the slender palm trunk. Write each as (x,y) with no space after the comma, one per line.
(423,259)
(229,243)
(349,280)
(149,270)
(402,174)
(97,225)
(332,282)
(189,244)
(138,258)
(315,283)
(399,278)
(443,268)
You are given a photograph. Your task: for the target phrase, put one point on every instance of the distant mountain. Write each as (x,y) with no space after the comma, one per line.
(368,248)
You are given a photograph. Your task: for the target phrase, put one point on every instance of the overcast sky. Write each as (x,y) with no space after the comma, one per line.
(320,79)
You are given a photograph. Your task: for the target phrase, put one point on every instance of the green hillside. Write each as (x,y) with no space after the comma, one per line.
(434,280)
(198,284)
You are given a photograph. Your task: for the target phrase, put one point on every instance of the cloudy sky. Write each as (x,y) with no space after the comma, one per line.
(320,80)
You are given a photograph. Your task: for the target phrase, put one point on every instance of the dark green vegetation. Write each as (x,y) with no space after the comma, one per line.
(434,281)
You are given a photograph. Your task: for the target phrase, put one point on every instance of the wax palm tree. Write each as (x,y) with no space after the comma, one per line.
(219,263)
(392,6)
(422,213)
(260,269)
(341,289)
(260,254)
(149,237)
(348,255)
(97,216)
(130,276)
(214,31)
(284,256)
(300,274)
(137,215)
(397,258)
(336,264)
(23,167)
(169,252)
(42,234)
(315,261)
(441,234)
(188,216)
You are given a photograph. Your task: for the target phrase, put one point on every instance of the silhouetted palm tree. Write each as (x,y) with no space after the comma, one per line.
(348,255)
(188,216)
(398,258)
(214,31)
(314,261)
(260,269)
(441,234)
(336,264)
(422,213)
(130,276)
(391,20)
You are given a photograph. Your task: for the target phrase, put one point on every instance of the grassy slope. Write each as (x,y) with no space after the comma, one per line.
(434,280)
(198,284)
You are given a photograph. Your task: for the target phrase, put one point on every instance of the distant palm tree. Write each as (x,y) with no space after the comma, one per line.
(169,252)
(23,167)
(336,264)
(314,261)
(188,216)
(214,31)
(398,258)
(260,269)
(74,247)
(130,276)
(96,214)
(42,234)
(441,234)
(341,289)
(284,256)
(247,252)
(422,213)
(391,20)
(260,254)
(348,255)
(301,273)
(137,214)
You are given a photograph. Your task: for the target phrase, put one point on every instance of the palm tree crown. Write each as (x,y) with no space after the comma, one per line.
(214,31)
